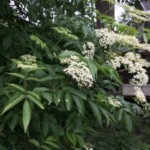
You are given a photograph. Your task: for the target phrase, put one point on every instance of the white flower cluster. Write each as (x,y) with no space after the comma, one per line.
(88,50)
(134,64)
(88,146)
(69,60)
(138,18)
(140,79)
(108,38)
(28,58)
(27,62)
(79,71)
(115,62)
(137,15)
(140,97)
(114,102)
(145,47)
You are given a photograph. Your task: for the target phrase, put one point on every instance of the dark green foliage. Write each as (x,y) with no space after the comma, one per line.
(42,108)
(118,139)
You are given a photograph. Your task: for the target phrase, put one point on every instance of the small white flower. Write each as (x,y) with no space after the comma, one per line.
(144,46)
(88,146)
(105,37)
(115,63)
(89,50)
(140,97)
(108,38)
(81,73)
(114,102)
(140,79)
(27,62)
(134,64)
(67,100)
(69,60)
(28,58)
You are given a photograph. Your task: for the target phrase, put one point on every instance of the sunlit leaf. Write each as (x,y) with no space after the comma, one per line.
(35,101)
(27,112)
(17,87)
(68,54)
(12,103)
(34,142)
(17,75)
(72,138)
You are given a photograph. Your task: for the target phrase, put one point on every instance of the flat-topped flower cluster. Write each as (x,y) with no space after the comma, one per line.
(135,65)
(27,62)
(137,15)
(114,101)
(88,50)
(88,146)
(140,97)
(78,70)
(108,38)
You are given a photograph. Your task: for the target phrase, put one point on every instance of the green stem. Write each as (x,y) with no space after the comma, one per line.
(25,83)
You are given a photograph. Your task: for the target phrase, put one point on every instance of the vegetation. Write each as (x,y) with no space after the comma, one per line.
(57,78)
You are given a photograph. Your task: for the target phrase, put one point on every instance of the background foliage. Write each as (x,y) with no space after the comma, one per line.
(43,108)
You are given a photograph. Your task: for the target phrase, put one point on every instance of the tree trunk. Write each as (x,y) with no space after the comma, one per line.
(104,8)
